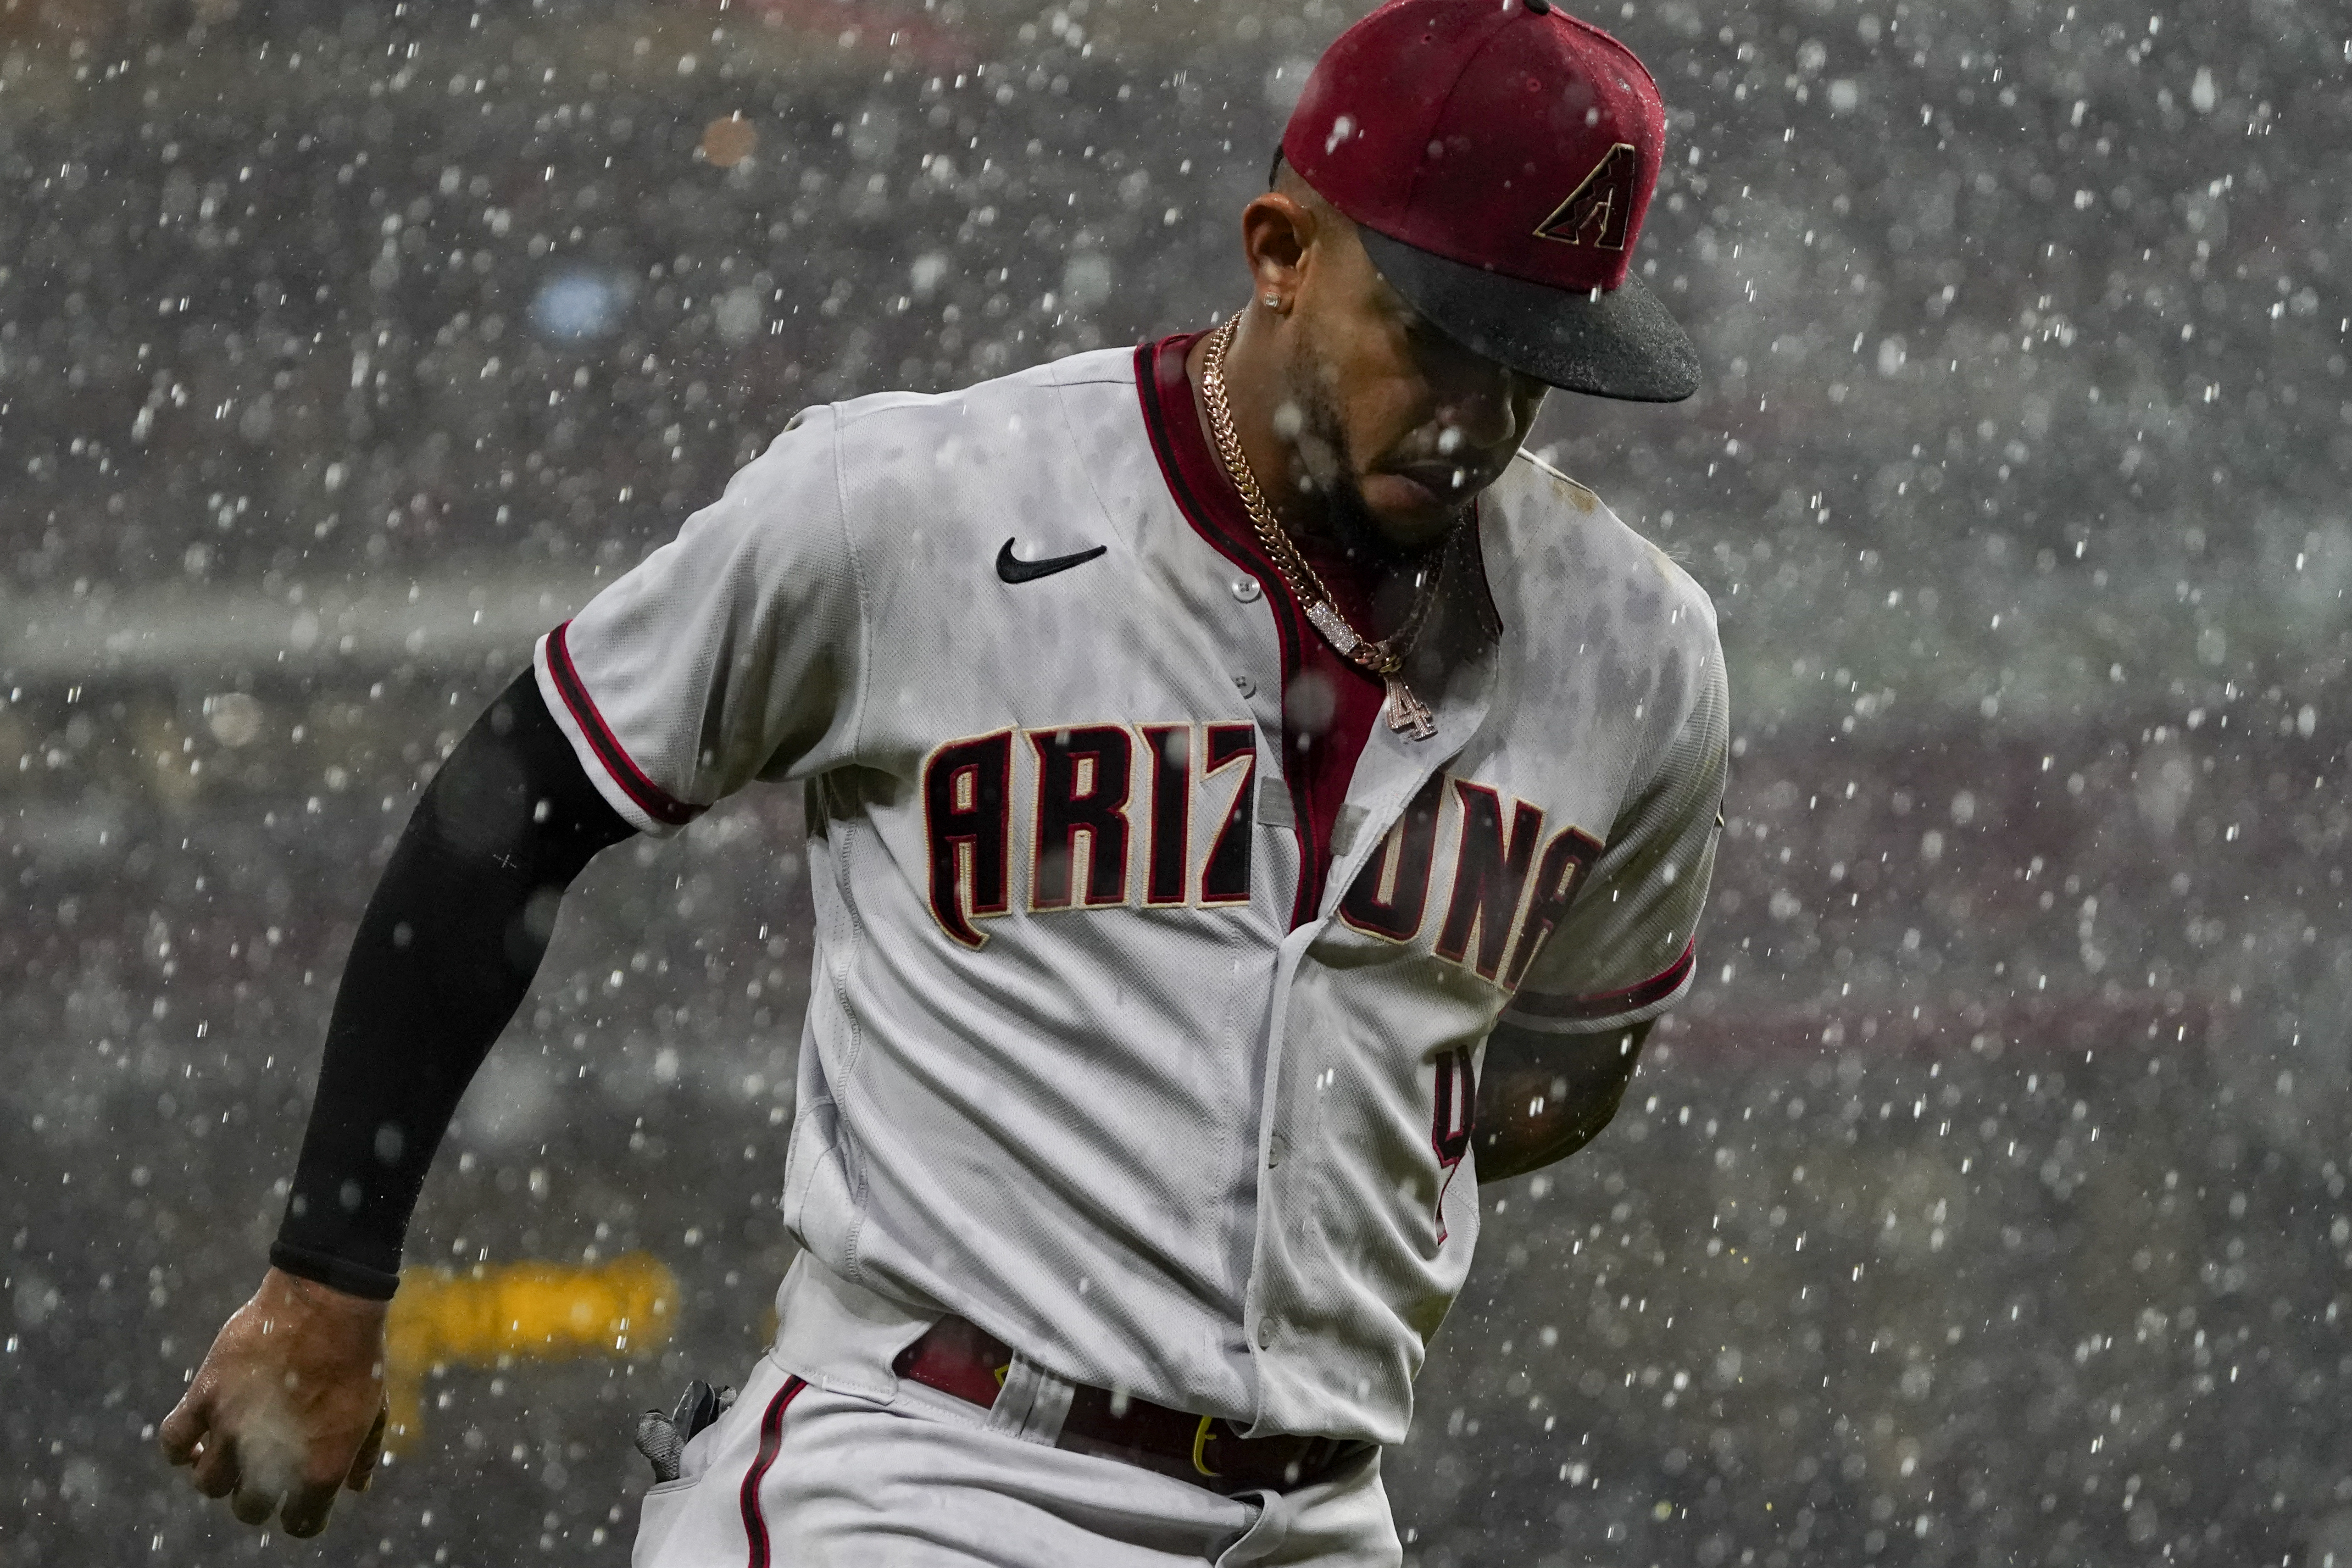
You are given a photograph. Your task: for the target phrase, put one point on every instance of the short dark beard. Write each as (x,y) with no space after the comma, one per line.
(1338,507)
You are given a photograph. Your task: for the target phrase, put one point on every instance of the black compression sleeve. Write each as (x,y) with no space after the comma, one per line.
(446,949)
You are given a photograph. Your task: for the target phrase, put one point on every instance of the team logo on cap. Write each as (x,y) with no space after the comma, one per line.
(1599,209)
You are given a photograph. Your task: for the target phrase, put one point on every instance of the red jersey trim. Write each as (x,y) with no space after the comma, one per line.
(772,1440)
(1608,1004)
(650,797)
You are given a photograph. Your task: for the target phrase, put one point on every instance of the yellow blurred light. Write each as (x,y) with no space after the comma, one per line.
(539,1311)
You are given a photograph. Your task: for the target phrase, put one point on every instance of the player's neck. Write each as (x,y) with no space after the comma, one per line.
(1255,389)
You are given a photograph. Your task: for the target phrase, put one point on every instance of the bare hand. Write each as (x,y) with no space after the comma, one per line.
(289,1405)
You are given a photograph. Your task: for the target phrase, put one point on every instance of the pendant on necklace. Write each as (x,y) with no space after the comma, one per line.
(1407,715)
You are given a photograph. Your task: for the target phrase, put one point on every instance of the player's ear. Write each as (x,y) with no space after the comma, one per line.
(1277,230)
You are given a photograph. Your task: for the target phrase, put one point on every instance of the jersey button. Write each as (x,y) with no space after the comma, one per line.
(1277,1150)
(1246,590)
(1266,1335)
(1244,685)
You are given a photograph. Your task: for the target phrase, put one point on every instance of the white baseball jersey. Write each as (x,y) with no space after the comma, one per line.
(1103,1052)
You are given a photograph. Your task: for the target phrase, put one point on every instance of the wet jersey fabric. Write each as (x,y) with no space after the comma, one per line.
(1077,1063)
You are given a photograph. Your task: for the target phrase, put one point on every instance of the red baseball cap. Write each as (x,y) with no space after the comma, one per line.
(1498,157)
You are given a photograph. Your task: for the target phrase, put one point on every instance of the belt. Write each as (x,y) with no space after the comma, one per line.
(960,1358)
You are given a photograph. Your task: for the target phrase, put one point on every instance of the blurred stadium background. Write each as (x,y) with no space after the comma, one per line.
(1987,1204)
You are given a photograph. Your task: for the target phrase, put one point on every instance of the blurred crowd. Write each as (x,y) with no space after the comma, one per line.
(1985,1204)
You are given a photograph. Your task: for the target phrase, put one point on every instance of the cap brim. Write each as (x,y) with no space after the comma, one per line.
(1622,343)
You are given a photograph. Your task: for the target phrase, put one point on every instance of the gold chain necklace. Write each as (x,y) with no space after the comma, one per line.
(1407,714)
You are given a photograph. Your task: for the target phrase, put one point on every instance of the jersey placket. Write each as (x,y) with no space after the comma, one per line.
(1387,772)
(1206,498)
(1390,773)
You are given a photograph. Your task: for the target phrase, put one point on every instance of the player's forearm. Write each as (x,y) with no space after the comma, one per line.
(444,953)
(1543,1131)
(1540,1100)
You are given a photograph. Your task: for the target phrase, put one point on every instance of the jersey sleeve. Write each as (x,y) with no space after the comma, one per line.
(731,653)
(1626,951)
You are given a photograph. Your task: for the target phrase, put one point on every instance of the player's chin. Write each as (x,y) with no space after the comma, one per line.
(1409,512)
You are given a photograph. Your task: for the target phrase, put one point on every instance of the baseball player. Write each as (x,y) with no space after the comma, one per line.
(1250,801)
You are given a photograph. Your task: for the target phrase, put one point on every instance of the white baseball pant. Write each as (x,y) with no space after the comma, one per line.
(793,1477)
(802,1472)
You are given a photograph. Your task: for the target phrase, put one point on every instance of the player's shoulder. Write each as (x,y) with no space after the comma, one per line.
(1002,410)
(1562,544)
(848,476)
(1021,447)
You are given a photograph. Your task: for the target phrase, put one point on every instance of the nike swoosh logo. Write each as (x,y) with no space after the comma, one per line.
(1010,568)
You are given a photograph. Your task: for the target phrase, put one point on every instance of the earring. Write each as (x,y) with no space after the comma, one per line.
(1272,301)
